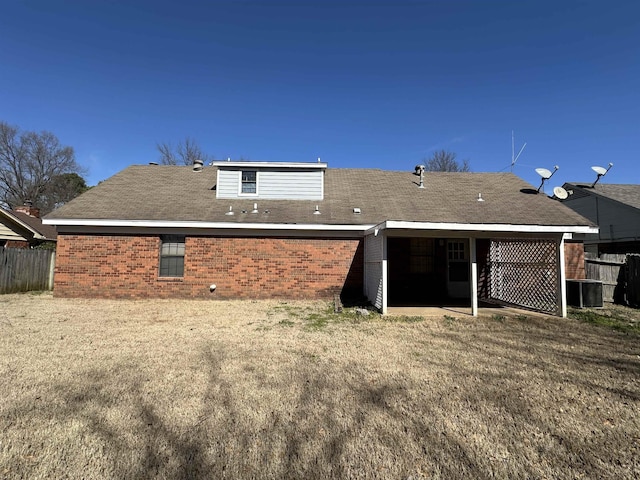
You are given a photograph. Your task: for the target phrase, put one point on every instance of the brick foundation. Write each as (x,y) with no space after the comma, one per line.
(113,266)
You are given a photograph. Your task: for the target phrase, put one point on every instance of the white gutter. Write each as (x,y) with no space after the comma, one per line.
(367,228)
(236,164)
(212,225)
(480,227)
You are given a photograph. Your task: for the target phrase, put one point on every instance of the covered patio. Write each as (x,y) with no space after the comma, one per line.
(463,268)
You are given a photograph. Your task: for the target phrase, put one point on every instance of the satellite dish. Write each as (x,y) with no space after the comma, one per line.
(601,173)
(544,173)
(560,193)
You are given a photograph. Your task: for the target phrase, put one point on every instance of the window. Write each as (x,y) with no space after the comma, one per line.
(421,253)
(249,182)
(172,256)
(458,265)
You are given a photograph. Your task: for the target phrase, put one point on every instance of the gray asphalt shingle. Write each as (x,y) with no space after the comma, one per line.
(176,193)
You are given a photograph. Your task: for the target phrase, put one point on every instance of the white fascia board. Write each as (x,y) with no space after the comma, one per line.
(223,164)
(482,227)
(203,225)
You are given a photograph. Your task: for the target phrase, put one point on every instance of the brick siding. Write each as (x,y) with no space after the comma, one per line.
(113,266)
(574,260)
(17,244)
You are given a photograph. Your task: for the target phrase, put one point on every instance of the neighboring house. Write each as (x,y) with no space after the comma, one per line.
(615,209)
(23,228)
(302,230)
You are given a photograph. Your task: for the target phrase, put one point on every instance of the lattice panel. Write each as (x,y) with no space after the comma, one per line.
(524,273)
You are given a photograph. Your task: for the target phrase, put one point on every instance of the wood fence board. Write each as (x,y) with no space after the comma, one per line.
(23,270)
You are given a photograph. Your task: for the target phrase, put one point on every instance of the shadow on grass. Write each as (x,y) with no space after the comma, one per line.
(352,422)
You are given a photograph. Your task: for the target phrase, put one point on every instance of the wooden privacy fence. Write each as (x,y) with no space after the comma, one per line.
(23,270)
(619,274)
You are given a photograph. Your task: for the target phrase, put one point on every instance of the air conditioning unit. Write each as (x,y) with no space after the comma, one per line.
(584,293)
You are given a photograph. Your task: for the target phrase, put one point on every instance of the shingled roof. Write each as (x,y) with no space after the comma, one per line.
(33,224)
(628,194)
(177,193)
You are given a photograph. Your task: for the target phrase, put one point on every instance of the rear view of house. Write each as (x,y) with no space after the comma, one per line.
(303,230)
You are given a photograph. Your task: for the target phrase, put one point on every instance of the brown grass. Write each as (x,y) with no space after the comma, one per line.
(211,389)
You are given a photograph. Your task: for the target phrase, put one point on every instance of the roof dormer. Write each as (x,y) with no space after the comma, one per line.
(270,180)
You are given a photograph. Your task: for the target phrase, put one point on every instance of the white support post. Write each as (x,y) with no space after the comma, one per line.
(52,269)
(562,279)
(474,277)
(385,276)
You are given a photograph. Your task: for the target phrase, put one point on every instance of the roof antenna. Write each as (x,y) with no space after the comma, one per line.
(514,158)
(546,175)
(601,173)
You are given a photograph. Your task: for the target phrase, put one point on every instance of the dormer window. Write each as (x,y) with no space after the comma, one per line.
(249,182)
(270,180)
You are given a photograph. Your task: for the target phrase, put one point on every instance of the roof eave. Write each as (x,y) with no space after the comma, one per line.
(482,227)
(36,234)
(67,222)
(367,228)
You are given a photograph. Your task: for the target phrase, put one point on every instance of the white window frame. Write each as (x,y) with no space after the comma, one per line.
(240,192)
(175,240)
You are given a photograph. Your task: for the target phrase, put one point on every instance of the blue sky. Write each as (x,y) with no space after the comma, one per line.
(360,84)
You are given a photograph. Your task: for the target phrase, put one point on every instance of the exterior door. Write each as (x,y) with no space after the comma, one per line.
(458,268)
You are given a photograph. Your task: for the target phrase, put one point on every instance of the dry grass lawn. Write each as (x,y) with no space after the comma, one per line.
(210,389)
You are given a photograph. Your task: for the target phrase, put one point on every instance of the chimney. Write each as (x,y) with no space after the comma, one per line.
(28,209)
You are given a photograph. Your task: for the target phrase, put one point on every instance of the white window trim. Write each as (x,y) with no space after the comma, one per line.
(240,193)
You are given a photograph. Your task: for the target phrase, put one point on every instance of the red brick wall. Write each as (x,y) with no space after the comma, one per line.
(127,266)
(574,260)
(17,244)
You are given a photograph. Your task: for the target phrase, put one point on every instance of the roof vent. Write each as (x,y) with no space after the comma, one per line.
(153,163)
(255,208)
(230,212)
(419,170)
(357,210)
(480,199)
(317,210)
(197,165)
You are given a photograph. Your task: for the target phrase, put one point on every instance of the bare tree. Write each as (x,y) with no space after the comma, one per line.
(185,153)
(30,163)
(445,161)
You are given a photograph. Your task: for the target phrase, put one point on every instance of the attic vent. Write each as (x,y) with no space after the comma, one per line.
(197,165)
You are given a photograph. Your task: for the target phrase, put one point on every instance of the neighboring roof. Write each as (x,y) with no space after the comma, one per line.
(31,224)
(628,194)
(177,193)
